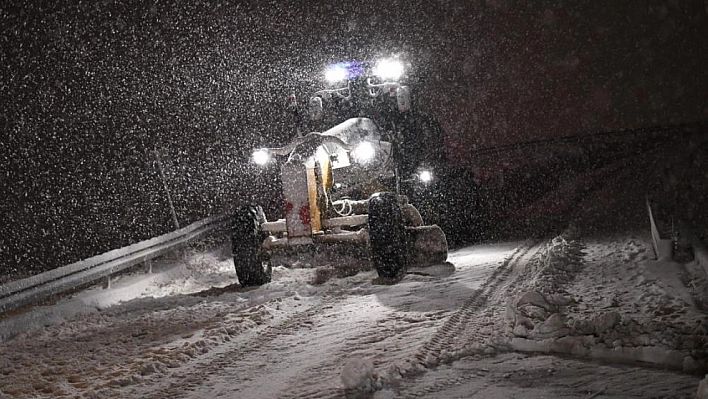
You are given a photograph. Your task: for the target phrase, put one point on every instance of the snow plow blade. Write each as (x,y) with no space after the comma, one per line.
(426,246)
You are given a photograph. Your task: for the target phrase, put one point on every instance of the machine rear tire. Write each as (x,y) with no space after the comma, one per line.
(387,235)
(252,265)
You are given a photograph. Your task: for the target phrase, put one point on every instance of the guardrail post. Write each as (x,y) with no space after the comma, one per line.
(167,190)
(663,248)
(148,266)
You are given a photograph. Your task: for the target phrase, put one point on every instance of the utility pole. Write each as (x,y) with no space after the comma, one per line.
(167,190)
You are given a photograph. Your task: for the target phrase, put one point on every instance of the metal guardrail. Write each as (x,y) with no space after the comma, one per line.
(589,136)
(24,292)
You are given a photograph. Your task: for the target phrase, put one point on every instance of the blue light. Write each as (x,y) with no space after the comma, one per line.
(345,70)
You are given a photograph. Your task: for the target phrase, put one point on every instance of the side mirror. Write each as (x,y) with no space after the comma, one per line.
(315,108)
(403,98)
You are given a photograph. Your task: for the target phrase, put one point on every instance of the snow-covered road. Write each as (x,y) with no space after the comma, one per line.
(305,354)
(425,336)
(288,339)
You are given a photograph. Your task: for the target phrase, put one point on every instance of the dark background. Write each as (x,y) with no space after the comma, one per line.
(90,91)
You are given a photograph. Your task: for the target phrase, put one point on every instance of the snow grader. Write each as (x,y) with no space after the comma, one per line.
(342,186)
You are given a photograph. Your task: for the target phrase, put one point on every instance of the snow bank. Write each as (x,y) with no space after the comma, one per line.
(606,300)
(179,277)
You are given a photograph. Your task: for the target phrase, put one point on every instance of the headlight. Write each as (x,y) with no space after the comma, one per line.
(364,152)
(389,69)
(425,176)
(261,157)
(336,73)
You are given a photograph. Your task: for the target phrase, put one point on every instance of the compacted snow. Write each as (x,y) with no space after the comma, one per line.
(497,321)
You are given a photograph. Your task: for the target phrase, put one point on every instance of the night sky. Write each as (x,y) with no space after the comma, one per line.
(90,89)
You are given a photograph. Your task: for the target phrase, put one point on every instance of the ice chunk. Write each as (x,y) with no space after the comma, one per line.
(357,373)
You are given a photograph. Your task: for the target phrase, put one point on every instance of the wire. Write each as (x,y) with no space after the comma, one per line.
(345,203)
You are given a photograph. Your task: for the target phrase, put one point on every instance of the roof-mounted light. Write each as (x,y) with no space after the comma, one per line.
(388,69)
(261,157)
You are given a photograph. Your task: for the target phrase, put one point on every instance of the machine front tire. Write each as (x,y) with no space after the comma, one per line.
(252,265)
(387,235)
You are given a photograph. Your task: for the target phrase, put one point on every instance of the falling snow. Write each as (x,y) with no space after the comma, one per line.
(545,121)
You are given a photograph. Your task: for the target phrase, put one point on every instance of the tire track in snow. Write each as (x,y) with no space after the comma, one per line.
(385,335)
(337,330)
(339,333)
(321,381)
(389,341)
(193,375)
(438,386)
(462,328)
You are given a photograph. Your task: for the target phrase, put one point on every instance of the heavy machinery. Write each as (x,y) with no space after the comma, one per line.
(342,185)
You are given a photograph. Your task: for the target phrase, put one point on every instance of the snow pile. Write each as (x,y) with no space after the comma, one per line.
(358,374)
(192,273)
(534,311)
(607,301)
